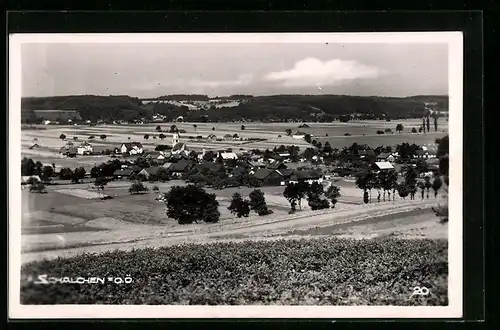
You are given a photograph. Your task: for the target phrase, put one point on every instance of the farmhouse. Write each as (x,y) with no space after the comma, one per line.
(385,157)
(84,148)
(277,166)
(122,173)
(228,155)
(131,148)
(179,168)
(158,155)
(306,176)
(69,149)
(26,179)
(150,171)
(268,177)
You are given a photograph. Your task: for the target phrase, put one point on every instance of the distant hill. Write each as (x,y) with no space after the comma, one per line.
(275,108)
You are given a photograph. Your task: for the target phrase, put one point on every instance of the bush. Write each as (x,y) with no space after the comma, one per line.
(379,132)
(137,188)
(379,271)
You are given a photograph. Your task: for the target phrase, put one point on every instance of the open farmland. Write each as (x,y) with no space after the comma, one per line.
(117,134)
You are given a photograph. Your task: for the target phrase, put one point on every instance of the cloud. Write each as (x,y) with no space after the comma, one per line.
(312,71)
(196,84)
(242,80)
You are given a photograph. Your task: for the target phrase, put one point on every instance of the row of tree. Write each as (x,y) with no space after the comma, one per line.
(315,194)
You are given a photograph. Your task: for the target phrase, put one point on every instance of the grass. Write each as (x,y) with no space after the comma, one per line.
(326,271)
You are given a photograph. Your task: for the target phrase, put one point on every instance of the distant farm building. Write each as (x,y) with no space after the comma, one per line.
(84,148)
(131,148)
(54,115)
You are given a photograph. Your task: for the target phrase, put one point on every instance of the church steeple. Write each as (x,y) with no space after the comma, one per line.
(175,139)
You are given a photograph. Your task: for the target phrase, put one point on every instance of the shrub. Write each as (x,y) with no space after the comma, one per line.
(137,188)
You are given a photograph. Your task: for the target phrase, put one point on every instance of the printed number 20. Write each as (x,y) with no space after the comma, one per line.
(420,291)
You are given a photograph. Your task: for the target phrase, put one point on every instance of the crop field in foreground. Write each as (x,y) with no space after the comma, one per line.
(324,271)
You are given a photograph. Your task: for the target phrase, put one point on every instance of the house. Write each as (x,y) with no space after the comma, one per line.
(69,149)
(178,147)
(256,165)
(286,173)
(383,166)
(84,148)
(208,166)
(158,155)
(306,176)
(228,155)
(298,136)
(382,157)
(268,177)
(179,168)
(131,148)
(211,137)
(122,173)
(25,179)
(150,171)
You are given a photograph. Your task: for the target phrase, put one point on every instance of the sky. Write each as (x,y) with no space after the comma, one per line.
(152,70)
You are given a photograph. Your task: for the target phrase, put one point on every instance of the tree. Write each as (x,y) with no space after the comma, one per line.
(242,127)
(428,185)
(288,132)
(27,166)
(137,188)
(213,128)
(428,124)
(95,172)
(388,180)
(308,138)
(146,136)
(162,136)
(291,194)
(258,203)
(47,174)
(173,129)
(413,130)
(62,137)
(75,138)
(379,132)
(443,148)
(100,183)
(365,197)
(195,126)
(65,174)
(399,128)
(423,125)
(436,185)
(158,128)
(93,137)
(403,190)
(435,123)
(38,188)
(421,185)
(188,204)
(388,131)
(239,206)
(333,194)
(78,174)
(156,189)
(327,148)
(103,136)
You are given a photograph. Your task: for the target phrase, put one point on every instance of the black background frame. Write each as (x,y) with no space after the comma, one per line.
(180,20)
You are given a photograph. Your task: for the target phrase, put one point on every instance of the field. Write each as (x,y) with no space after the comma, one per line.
(362,132)
(326,271)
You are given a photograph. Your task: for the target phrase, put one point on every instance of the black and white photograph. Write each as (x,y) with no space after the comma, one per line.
(235,175)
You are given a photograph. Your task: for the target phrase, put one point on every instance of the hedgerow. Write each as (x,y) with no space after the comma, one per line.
(325,271)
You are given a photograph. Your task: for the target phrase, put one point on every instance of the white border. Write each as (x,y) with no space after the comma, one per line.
(455,72)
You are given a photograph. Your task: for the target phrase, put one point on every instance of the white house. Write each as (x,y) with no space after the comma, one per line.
(298,136)
(84,149)
(384,166)
(228,155)
(132,148)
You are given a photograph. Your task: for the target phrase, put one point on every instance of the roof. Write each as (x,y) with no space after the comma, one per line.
(255,164)
(123,172)
(135,168)
(180,166)
(153,170)
(276,165)
(178,146)
(305,175)
(228,155)
(209,166)
(384,165)
(285,154)
(166,165)
(262,173)
(130,145)
(286,172)
(383,155)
